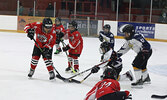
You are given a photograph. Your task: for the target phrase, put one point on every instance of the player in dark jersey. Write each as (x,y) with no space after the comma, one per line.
(115,63)
(107,36)
(137,43)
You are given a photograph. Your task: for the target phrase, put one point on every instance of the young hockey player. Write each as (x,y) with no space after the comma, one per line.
(45,37)
(74,47)
(136,42)
(108,88)
(115,63)
(59,34)
(106,35)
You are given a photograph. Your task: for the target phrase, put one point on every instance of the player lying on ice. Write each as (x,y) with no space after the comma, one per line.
(108,88)
(45,37)
(115,62)
(137,43)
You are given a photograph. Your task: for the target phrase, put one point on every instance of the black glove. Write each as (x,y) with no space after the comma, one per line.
(114,56)
(46,52)
(66,48)
(31,32)
(100,38)
(95,69)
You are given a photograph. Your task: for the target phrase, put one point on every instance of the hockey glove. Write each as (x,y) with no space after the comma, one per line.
(128,95)
(113,56)
(66,48)
(101,38)
(30,32)
(46,52)
(95,69)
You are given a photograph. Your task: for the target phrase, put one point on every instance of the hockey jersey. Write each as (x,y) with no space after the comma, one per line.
(75,42)
(116,63)
(137,43)
(59,28)
(108,37)
(102,88)
(43,39)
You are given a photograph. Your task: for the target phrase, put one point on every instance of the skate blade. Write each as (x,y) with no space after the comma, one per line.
(137,86)
(147,83)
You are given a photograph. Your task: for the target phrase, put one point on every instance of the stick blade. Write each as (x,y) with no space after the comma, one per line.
(159,96)
(67,80)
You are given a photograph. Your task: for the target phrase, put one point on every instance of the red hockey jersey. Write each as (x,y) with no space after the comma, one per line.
(102,88)
(43,39)
(75,42)
(59,28)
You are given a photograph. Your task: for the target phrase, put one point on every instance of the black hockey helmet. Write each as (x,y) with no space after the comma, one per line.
(104,47)
(107,26)
(109,73)
(129,28)
(73,24)
(47,23)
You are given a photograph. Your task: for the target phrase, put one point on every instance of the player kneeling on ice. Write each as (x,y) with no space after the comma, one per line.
(136,42)
(74,47)
(45,38)
(108,88)
(115,62)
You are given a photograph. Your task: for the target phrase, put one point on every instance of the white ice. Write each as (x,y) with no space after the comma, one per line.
(15,56)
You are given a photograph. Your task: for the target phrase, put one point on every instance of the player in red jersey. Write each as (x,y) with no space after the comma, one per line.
(74,47)
(60,31)
(45,37)
(108,88)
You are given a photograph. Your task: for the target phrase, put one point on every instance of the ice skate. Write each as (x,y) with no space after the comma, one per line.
(52,75)
(68,70)
(147,80)
(31,73)
(76,71)
(137,84)
(129,75)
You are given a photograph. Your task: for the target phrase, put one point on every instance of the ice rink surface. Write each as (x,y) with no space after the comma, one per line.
(15,56)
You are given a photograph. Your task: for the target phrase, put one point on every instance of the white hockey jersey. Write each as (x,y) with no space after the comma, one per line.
(137,44)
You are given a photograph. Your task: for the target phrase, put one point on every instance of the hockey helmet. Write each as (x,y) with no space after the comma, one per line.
(104,47)
(107,26)
(109,73)
(130,30)
(73,24)
(47,23)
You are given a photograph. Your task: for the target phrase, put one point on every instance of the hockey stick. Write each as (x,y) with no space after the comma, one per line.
(67,57)
(87,70)
(76,81)
(42,52)
(159,96)
(86,77)
(58,74)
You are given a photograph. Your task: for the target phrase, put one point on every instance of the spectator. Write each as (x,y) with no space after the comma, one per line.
(164,10)
(30,12)
(21,9)
(163,18)
(37,13)
(49,10)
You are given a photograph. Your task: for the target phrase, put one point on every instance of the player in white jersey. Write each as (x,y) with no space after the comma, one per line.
(137,43)
(115,63)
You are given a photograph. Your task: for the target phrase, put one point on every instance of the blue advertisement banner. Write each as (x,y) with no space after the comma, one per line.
(148,30)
